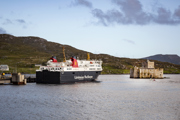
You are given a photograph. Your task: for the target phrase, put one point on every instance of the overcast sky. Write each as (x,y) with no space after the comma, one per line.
(122,28)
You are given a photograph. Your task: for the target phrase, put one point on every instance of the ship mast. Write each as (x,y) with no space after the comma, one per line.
(64,59)
(88,56)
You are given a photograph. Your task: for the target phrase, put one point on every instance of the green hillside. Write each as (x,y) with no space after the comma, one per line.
(22,53)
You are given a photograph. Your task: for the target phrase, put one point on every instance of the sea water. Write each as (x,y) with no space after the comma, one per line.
(116,97)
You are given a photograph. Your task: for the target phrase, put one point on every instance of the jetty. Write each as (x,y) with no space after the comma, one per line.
(16,79)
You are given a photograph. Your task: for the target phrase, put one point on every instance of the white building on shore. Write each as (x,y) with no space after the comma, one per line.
(4,68)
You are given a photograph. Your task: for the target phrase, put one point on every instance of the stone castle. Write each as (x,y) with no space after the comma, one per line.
(146,71)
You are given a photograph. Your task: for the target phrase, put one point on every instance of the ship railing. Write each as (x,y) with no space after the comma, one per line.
(50,68)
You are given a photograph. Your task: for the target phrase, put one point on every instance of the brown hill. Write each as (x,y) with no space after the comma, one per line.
(175,59)
(22,53)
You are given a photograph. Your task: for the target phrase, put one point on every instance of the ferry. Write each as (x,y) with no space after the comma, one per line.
(69,71)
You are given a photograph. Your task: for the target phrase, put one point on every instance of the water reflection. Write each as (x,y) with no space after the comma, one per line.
(115,97)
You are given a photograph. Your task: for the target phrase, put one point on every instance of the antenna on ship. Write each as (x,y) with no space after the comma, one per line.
(88,56)
(64,59)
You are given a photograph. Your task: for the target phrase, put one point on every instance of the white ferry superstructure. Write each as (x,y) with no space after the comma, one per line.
(71,71)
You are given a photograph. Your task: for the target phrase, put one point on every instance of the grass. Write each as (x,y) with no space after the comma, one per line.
(22,70)
(22,53)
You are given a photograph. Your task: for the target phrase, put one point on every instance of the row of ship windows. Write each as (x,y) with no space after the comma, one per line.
(89,68)
(93,65)
(94,68)
(90,65)
(51,69)
(68,68)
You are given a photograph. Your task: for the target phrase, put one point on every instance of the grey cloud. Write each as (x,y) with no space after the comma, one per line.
(82,2)
(131,12)
(7,21)
(164,17)
(129,41)
(2,31)
(130,7)
(20,21)
(177,12)
(100,15)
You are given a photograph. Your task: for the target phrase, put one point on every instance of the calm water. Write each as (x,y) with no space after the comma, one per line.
(117,97)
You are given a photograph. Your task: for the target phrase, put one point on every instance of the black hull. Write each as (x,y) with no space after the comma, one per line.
(49,77)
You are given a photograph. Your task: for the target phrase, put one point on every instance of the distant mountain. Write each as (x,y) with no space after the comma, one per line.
(22,53)
(175,59)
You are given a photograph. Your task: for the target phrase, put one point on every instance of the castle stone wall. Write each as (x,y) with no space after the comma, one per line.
(146,72)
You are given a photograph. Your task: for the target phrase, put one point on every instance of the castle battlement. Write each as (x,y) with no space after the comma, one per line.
(146,71)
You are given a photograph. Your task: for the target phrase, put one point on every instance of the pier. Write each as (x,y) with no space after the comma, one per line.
(16,79)
(5,81)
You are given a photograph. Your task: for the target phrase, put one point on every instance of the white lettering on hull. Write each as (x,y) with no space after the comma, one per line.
(83,77)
